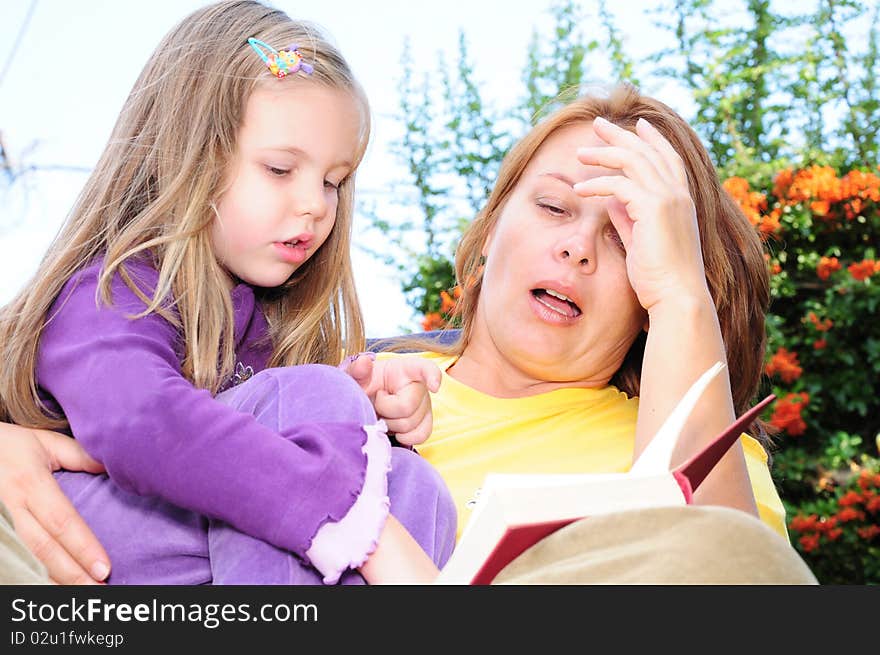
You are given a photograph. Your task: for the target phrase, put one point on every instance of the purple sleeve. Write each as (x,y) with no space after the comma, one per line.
(120,386)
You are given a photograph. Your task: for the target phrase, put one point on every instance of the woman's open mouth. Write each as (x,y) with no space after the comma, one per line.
(556,303)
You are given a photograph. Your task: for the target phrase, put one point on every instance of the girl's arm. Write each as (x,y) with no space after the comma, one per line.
(121,388)
(398,559)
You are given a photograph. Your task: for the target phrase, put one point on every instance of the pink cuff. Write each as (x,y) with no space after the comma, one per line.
(346,544)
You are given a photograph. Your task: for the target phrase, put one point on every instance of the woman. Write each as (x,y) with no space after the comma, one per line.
(608,259)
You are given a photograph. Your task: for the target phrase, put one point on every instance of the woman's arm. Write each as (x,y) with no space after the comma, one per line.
(654,214)
(43,516)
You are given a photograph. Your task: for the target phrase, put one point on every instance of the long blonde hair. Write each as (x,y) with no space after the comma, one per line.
(151,195)
(736,270)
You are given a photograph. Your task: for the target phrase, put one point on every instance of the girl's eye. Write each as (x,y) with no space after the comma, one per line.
(277,172)
(329,185)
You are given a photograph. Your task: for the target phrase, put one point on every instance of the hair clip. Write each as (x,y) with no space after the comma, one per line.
(281,62)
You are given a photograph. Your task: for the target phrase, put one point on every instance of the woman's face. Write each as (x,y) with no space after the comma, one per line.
(555,301)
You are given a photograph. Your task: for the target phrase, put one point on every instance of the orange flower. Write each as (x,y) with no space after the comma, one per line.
(868,532)
(821,326)
(868,479)
(848,514)
(819,344)
(826,525)
(834,534)
(820,208)
(850,498)
(752,203)
(809,542)
(787,413)
(769,223)
(781,183)
(804,523)
(853,208)
(815,182)
(827,265)
(785,364)
(447,304)
(863,269)
(433,321)
(859,186)
(873,505)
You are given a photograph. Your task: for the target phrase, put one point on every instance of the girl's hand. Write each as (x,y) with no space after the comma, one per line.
(398,389)
(651,207)
(44,518)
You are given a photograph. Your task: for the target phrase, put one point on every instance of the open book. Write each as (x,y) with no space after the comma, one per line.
(515,511)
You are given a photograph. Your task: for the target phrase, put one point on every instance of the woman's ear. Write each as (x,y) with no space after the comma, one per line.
(487,243)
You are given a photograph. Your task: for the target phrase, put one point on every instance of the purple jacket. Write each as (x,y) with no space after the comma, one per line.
(119,383)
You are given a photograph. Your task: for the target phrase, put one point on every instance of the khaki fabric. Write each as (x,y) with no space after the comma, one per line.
(665,546)
(17,564)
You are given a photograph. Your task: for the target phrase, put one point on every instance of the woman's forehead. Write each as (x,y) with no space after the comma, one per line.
(557,155)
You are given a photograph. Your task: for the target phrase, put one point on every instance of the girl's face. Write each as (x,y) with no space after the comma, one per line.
(556,302)
(298,142)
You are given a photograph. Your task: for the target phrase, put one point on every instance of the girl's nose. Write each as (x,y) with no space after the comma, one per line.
(309,198)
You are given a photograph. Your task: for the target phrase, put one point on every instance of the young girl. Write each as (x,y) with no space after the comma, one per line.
(212,243)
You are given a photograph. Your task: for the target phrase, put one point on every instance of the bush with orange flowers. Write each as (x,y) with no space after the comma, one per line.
(839,536)
(821,229)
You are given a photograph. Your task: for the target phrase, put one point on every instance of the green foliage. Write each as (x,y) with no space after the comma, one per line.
(785,98)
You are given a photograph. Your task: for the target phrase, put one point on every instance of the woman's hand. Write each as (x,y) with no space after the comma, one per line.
(651,207)
(44,518)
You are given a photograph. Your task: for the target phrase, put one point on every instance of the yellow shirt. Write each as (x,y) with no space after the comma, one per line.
(563,431)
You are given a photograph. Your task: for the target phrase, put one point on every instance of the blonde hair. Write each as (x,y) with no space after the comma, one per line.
(151,194)
(736,270)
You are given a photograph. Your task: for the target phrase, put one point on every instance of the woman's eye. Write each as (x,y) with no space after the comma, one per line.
(277,172)
(615,237)
(552,209)
(330,185)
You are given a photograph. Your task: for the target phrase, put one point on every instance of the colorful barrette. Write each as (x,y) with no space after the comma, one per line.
(281,62)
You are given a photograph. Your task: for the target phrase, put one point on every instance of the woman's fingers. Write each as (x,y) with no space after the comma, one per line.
(648,142)
(66,453)
(671,158)
(615,135)
(60,565)
(630,162)
(618,186)
(70,537)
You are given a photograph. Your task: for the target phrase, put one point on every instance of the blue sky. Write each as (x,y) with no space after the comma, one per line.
(61,90)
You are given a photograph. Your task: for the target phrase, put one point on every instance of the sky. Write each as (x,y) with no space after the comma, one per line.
(61,90)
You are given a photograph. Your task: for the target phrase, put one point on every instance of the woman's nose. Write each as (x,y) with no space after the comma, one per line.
(577,249)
